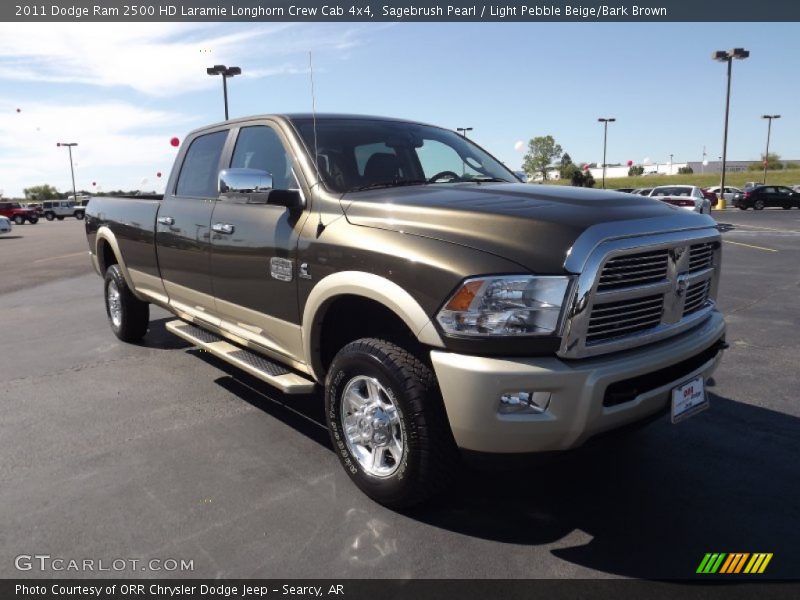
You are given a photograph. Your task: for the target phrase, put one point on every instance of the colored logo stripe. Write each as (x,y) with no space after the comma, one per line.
(721,562)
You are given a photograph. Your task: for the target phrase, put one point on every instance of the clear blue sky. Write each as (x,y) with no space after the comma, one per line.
(123,92)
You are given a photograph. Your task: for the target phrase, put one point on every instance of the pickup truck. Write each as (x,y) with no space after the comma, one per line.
(446,309)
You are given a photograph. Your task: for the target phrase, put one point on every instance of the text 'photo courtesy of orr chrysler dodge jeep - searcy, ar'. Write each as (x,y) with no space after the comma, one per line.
(446,308)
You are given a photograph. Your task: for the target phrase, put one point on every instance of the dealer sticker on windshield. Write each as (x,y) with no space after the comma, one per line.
(688,399)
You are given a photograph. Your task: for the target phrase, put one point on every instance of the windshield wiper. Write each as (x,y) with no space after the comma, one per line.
(387,184)
(488,180)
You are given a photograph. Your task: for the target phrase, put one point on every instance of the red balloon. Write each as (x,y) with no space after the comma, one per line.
(585,167)
(158,174)
(630,163)
(94,183)
(175,142)
(19,110)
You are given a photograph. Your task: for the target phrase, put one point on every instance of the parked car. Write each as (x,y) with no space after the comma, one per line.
(626,190)
(642,191)
(689,197)
(5,225)
(58,209)
(750,185)
(730,191)
(445,308)
(710,196)
(18,213)
(765,196)
(796,188)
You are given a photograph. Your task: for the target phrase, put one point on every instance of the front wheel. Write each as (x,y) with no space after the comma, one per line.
(49,216)
(19,220)
(758,205)
(388,424)
(742,207)
(33,220)
(79,216)
(128,316)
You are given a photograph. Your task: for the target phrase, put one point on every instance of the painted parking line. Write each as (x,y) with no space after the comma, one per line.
(49,258)
(738,225)
(751,246)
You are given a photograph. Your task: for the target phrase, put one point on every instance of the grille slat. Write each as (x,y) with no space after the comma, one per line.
(701,256)
(634,269)
(624,317)
(696,296)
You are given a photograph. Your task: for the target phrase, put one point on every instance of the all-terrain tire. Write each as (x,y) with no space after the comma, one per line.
(429,459)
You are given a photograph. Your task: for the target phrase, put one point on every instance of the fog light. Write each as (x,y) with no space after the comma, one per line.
(524,403)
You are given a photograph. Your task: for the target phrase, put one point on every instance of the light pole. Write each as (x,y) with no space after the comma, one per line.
(727,56)
(226,72)
(605,121)
(69,146)
(766,152)
(670,163)
(463,130)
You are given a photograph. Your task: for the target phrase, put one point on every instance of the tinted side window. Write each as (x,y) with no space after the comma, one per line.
(259,147)
(200,168)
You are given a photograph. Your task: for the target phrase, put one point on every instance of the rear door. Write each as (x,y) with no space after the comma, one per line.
(183,222)
(254,248)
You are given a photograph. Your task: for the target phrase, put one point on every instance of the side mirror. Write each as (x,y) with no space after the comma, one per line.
(291,199)
(244,181)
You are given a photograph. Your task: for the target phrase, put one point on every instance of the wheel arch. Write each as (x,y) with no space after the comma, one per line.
(370,290)
(107,253)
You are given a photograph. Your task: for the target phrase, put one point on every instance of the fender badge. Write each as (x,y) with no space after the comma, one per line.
(280,268)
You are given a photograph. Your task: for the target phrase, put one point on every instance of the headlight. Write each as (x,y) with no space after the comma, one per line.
(506,305)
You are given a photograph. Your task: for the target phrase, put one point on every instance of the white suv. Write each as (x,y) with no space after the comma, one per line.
(58,209)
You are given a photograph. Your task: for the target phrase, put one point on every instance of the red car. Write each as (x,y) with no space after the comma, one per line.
(18,214)
(711,196)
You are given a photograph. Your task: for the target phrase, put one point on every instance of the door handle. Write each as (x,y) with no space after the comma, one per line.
(166,221)
(223,228)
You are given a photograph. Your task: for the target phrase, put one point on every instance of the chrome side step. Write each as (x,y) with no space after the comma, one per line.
(264,369)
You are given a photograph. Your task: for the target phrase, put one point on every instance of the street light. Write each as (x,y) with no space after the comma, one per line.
(226,72)
(766,152)
(463,130)
(605,121)
(69,146)
(727,56)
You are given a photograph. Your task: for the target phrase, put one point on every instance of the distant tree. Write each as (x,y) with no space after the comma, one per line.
(566,159)
(635,171)
(773,163)
(577,176)
(41,192)
(588,179)
(542,151)
(687,170)
(566,163)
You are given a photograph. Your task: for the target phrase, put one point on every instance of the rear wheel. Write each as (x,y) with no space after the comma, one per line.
(758,205)
(128,316)
(33,220)
(742,207)
(79,215)
(786,207)
(388,424)
(49,216)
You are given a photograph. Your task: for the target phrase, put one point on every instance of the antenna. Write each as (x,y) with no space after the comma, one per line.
(320,226)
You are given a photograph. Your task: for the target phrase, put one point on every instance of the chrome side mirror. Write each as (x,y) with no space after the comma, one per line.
(244,181)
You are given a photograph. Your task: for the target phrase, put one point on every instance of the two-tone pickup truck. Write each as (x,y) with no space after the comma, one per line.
(445,307)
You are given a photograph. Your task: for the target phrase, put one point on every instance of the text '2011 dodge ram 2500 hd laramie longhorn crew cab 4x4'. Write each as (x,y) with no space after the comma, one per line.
(444,306)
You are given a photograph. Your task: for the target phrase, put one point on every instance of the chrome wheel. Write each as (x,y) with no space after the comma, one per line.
(114,303)
(372,426)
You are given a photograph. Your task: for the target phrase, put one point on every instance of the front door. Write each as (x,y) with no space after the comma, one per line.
(253,250)
(183,228)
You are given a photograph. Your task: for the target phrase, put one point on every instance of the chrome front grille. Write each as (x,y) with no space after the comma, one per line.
(634,291)
(624,317)
(634,269)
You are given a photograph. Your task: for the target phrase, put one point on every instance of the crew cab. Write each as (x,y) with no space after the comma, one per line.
(18,213)
(445,308)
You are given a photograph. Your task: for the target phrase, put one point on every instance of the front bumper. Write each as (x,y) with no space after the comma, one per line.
(472,385)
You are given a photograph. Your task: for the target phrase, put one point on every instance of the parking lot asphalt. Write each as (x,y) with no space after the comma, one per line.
(157,451)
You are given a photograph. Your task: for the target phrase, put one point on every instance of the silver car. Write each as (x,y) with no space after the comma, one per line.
(729,192)
(689,197)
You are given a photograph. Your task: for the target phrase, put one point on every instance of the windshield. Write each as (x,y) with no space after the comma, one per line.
(359,154)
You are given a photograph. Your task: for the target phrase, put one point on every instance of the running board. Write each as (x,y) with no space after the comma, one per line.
(264,369)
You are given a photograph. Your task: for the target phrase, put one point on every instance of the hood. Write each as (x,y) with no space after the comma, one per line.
(532,225)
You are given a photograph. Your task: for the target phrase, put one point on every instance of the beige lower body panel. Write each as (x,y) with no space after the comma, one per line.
(471,387)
